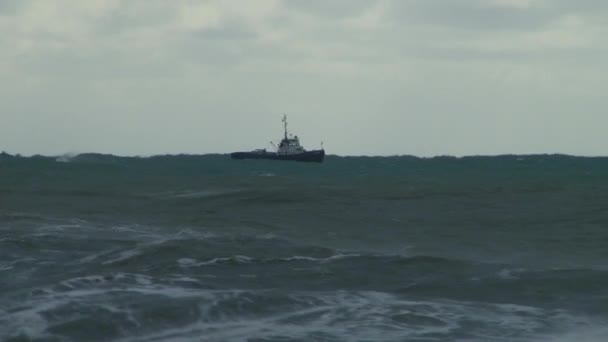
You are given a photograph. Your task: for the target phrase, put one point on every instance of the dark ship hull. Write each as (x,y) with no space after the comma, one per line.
(315,156)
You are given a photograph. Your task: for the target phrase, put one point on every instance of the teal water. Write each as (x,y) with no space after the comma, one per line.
(205,248)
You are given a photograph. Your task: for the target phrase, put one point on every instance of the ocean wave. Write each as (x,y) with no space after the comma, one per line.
(594,332)
(197,194)
(237,259)
(508,248)
(241,259)
(152,312)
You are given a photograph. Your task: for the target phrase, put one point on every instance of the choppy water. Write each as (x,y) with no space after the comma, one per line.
(204,248)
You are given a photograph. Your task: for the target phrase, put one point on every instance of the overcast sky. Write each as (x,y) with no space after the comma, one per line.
(367,77)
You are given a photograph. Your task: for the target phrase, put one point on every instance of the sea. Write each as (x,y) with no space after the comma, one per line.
(97,247)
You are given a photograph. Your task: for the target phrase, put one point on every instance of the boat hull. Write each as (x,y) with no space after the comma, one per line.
(316,156)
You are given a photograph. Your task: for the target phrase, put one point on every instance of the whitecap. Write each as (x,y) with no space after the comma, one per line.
(321,260)
(509,274)
(125,255)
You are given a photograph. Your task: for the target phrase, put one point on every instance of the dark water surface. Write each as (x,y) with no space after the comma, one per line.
(204,248)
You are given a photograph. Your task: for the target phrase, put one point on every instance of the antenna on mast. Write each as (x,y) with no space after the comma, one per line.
(285,122)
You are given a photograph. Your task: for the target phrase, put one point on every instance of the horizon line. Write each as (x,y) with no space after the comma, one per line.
(72,155)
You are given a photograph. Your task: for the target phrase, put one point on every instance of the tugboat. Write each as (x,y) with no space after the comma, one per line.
(289,149)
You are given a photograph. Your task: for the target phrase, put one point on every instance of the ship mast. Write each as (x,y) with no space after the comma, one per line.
(285,122)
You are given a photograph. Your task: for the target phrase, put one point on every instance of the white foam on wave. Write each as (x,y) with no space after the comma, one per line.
(30,318)
(596,333)
(124,255)
(129,229)
(76,282)
(373,316)
(61,227)
(92,257)
(179,278)
(321,260)
(185,262)
(242,259)
(117,278)
(27,318)
(147,239)
(189,233)
(140,249)
(510,274)
(242,330)
(267,174)
(26,321)
(340,315)
(193,194)
(9,265)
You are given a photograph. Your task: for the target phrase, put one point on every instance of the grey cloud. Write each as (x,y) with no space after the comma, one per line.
(468,14)
(70,67)
(403,78)
(226,32)
(212,53)
(229,44)
(332,9)
(10,7)
(578,6)
(132,15)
